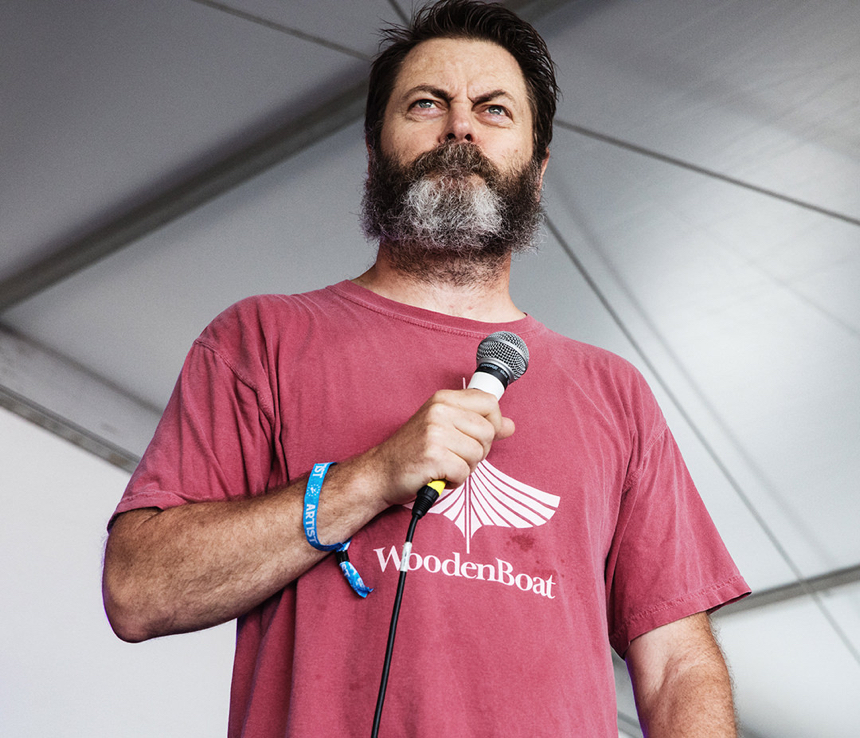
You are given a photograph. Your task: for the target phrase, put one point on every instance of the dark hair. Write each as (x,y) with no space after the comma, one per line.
(471,20)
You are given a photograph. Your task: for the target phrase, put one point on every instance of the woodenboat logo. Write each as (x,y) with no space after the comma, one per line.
(488,497)
(491,497)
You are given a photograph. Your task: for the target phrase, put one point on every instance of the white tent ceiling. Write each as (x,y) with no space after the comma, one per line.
(161,160)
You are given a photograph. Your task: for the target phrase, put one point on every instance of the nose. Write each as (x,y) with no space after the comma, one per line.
(458,127)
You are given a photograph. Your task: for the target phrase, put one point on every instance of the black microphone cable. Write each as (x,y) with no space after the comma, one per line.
(427,495)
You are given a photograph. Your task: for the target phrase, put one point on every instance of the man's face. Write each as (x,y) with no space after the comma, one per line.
(455,176)
(453,90)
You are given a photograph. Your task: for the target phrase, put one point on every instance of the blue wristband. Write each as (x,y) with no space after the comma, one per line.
(312,498)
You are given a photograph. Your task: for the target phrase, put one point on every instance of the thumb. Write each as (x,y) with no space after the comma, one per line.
(507,429)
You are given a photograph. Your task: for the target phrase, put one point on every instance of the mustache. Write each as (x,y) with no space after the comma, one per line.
(454,160)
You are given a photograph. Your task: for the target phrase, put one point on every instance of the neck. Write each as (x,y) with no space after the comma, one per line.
(440,287)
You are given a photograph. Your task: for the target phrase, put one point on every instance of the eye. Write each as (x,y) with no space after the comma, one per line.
(424,104)
(496,110)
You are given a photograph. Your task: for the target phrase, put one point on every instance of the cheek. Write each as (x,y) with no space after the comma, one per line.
(385,138)
(404,145)
(514,157)
(390,135)
(525,150)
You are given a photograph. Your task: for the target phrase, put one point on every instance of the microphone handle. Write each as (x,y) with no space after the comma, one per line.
(489,379)
(426,496)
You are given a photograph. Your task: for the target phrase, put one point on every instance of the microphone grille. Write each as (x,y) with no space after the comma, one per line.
(507,351)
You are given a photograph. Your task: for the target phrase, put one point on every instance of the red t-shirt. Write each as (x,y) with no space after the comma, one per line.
(580,531)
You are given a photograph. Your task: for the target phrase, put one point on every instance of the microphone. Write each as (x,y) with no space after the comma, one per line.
(502,358)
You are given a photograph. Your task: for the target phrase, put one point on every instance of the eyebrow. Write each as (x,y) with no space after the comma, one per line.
(430,89)
(494,95)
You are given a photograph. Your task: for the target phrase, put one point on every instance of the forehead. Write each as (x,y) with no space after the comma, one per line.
(456,65)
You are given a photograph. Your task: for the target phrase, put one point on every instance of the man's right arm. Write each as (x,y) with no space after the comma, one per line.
(201,564)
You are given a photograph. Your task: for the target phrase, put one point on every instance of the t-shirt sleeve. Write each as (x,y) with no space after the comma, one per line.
(213,442)
(666,560)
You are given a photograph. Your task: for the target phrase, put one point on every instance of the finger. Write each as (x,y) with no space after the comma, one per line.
(471,400)
(507,429)
(455,426)
(487,406)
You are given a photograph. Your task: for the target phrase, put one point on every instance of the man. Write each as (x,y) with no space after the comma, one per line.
(575,530)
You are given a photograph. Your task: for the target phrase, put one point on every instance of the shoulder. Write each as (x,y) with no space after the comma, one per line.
(583,362)
(596,380)
(262,309)
(265,319)
(252,336)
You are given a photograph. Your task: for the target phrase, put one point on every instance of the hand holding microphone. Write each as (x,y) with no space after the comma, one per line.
(502,358)
(454,430)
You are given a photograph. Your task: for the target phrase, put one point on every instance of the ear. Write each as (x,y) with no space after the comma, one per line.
(369,148)
(543,166)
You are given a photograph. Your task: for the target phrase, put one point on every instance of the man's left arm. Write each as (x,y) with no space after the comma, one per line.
(681,682)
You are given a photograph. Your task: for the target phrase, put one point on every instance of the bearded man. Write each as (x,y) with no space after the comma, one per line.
(572,532)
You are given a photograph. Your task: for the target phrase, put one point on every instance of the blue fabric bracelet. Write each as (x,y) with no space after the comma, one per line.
(312,497)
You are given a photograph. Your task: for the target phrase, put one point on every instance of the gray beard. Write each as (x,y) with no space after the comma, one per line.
(450,215)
